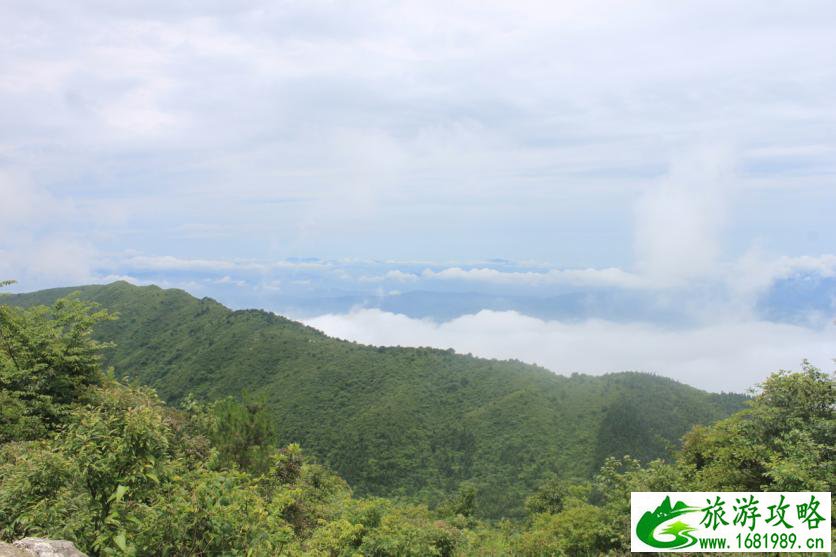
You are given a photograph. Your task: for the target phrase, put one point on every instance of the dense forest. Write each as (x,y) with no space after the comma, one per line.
(103,461)
(415,422)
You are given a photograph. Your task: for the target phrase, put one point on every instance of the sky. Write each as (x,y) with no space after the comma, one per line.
(307,157)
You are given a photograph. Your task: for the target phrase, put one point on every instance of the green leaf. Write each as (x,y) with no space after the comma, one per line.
(120,492)
(120,541)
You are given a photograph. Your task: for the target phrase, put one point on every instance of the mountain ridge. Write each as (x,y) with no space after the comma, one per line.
(419,422)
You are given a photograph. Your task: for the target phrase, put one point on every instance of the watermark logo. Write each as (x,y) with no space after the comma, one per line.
(730,522)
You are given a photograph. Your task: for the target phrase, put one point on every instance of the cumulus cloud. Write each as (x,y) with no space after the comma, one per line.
(680,220)
(723,356)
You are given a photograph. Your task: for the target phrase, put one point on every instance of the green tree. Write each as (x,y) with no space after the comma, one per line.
(410,531)
(580,529)
(548,497)
(48,359)
(462,503)
(244,434)
(126,475)
(785,440)
(418,422)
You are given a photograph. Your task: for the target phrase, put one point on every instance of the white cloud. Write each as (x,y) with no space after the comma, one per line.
(680,220)
(226,279)
(722,356)
(308,265)
(785,266)
(411,118)
(38,236)
(748,277)
(168,262)
(575,277)
(26,206)
(107,279)
(172,263)
(425,132)
(57,257)
(393,275)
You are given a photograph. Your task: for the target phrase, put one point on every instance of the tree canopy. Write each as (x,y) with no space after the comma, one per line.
(112,467)
(418,422)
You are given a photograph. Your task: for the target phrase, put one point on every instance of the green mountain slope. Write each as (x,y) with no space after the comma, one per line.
(396,421)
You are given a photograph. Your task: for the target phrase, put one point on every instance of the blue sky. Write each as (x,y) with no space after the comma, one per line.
(676,148)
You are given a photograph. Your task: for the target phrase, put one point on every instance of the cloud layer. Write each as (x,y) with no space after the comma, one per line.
(732,356)
(538,130)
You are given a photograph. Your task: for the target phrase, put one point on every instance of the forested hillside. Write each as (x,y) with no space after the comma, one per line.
(110,467)
(396,421)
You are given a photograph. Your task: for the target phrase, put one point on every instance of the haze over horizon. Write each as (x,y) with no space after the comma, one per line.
(590,186)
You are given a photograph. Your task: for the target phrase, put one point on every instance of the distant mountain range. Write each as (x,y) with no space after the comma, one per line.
(395,421)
